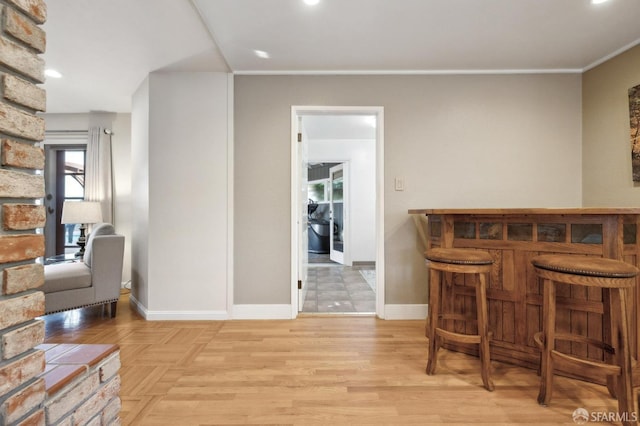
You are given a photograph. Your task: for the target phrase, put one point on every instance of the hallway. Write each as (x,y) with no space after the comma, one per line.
(335,288)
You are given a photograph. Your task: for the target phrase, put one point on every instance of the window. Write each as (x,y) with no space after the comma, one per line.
(318,190)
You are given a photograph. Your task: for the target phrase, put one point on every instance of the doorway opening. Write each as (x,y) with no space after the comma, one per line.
(337,206)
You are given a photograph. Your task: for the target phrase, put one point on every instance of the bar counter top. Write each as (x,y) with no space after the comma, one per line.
(532,211)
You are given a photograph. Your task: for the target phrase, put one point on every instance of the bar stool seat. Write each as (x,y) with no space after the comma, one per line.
(614,278)
(461,261)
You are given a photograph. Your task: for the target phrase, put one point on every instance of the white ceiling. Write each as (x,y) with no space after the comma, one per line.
(105,48)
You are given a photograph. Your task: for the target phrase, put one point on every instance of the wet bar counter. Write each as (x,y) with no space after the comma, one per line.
(513,237)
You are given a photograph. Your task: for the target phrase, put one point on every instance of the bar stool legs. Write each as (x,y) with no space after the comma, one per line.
(614,278)
(548,330)
(624,388)
(483,331)
(434,309)
(465,262)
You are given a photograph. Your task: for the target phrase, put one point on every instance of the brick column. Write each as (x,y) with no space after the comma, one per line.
(22,41)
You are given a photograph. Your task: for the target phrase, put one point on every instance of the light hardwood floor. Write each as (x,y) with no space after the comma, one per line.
(312,370)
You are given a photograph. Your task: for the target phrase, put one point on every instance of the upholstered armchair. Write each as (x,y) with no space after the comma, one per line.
(94,280)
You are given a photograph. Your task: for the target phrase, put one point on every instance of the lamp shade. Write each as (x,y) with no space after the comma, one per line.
(81,212)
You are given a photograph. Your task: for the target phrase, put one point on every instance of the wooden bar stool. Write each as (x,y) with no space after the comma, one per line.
(614,278)
(461,261)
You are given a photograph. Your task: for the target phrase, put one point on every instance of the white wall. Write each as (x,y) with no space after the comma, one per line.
(140,194)
(361,155)
(121,163)
(186,217)
(62,122)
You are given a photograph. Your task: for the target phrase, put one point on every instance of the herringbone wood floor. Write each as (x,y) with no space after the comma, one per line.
(312,370)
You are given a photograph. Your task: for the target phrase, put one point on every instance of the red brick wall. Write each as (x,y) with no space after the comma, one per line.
(22,42)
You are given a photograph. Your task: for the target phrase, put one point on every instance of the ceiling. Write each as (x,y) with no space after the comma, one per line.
(106,48)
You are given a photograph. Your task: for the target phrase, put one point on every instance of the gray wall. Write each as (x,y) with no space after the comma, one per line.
(459,141)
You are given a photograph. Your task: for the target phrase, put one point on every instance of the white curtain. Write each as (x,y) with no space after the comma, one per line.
(98,184)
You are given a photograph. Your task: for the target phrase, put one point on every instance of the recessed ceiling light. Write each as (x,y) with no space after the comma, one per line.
(52,73)
(598,1)
(312,2)
(261,54)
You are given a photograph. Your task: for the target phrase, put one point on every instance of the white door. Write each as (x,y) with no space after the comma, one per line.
(339,225)
(303,200)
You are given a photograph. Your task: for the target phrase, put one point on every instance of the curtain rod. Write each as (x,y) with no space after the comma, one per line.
(106,131)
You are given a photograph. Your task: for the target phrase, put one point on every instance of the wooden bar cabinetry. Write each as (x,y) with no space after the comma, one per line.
(513,237)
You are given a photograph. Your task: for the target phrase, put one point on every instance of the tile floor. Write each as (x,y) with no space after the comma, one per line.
(334,288)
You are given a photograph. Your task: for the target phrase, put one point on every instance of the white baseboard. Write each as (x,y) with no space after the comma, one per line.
(405,312)
(135,304)
(177,315)
(259,312)
(263,312)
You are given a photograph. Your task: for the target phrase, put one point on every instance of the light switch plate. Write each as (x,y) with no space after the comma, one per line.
(399,184)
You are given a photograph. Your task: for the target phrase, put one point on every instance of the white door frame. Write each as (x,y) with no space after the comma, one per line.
(295,203)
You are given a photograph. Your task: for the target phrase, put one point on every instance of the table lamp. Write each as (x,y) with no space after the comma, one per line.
(83,213)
